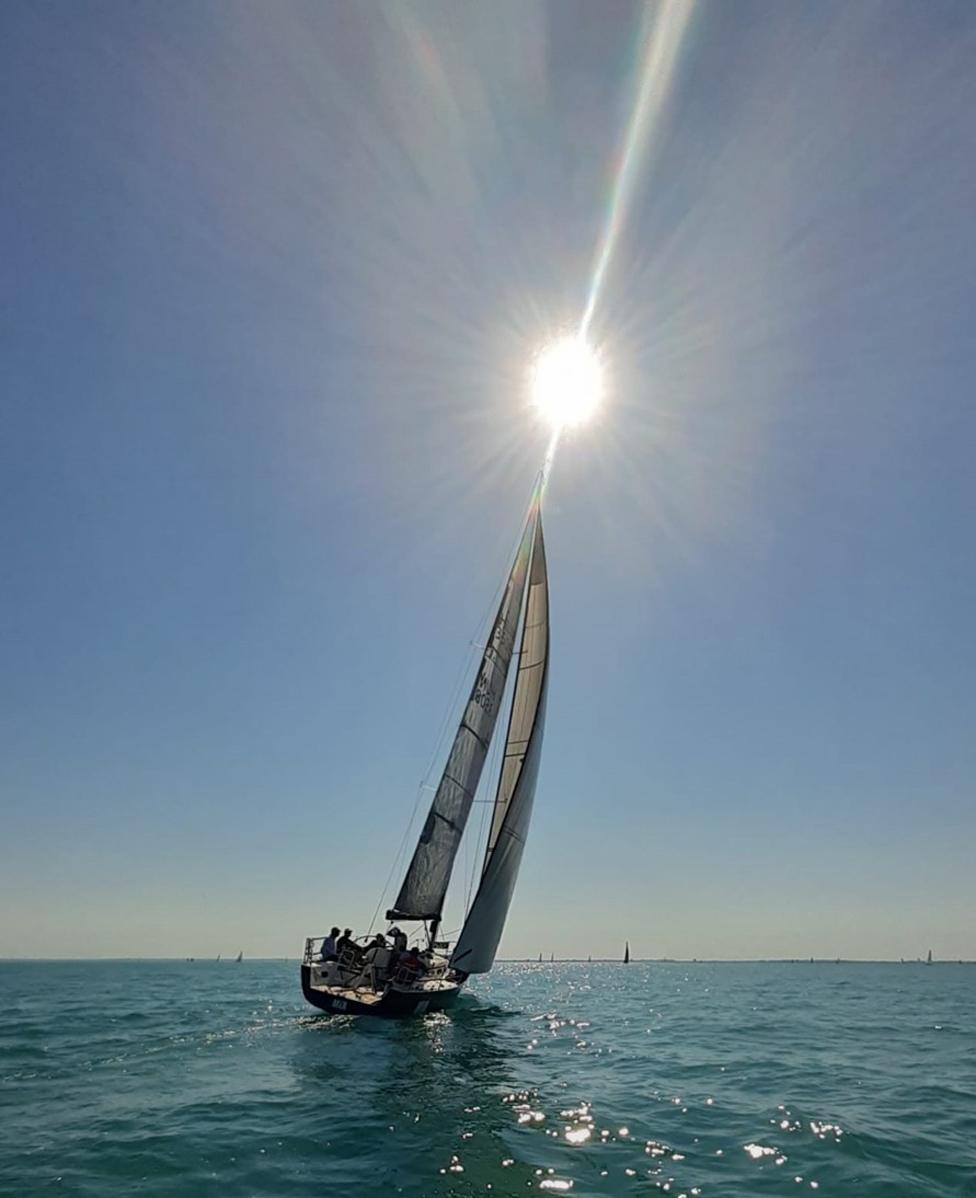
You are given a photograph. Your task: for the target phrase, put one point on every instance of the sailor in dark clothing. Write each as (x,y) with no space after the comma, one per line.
(410,962)
(329,952)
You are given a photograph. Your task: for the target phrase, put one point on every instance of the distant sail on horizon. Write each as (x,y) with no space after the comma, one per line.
(626,952)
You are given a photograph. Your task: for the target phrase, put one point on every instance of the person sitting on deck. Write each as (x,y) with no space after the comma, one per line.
(328,951)
(376,963)
(350,954)
(409,961)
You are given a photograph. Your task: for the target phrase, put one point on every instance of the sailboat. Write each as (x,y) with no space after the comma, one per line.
(626,952)
(240,956)
(381,981)
(928,960)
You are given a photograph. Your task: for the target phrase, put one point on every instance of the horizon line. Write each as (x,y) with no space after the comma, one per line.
(231,960)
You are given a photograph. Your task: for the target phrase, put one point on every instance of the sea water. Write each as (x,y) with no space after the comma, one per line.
(206,1078)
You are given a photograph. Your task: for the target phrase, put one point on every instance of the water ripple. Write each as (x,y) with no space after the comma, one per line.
(189,1079)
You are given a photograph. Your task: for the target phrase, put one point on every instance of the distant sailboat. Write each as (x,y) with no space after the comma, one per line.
(552,957)
(240,956)
(358,985)
(589,960)
(218,956)
(627,952)
(540,958)
(929,958)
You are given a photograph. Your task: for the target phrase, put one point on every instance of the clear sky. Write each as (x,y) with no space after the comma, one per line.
(271,279)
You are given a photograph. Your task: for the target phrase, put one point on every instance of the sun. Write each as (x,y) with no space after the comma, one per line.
(567,382)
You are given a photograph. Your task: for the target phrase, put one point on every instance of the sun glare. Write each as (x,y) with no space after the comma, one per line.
(567,382)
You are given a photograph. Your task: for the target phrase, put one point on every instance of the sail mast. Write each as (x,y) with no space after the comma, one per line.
(478,942)
(421,895)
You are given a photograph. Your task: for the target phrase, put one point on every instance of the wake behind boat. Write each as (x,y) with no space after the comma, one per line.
(385,980)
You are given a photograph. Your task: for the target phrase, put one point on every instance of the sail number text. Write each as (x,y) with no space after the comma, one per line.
(483,695)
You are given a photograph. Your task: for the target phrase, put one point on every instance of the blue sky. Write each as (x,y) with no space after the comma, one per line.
(272,276)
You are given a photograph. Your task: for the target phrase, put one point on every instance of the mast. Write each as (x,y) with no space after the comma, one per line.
(422,893)
(478,942)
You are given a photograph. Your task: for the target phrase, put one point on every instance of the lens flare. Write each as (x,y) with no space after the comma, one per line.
(567,382)
(665,28)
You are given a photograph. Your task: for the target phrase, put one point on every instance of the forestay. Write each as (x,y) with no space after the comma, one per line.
(478,943)
(422,893)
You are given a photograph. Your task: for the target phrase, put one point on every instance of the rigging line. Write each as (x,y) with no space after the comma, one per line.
(446,722)
(477,644)
(451,710)
(463,673)
(452,706)
(513,550)
(547,463)
(455,712)
(398,858)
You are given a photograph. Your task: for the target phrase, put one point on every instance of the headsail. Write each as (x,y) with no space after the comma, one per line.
(422,893)
(478,942)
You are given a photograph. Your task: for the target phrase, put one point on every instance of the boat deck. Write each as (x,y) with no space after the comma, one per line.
(365,996)
(426,986)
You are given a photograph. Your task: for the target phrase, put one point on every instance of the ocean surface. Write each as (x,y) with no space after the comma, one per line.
(206,1078)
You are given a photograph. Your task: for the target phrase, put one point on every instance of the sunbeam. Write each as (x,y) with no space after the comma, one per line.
(664,27)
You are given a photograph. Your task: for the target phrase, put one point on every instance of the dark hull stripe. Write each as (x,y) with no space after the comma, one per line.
(395,1004)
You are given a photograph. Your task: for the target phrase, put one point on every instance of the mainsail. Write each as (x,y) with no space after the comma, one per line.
(425,885)
(478,942)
